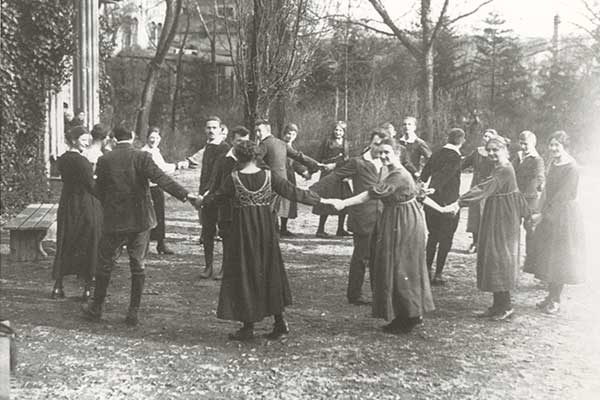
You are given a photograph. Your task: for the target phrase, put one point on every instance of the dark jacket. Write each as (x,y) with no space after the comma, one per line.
(211,153)
(364,175)
(123,189)
(223,167)
(443,168)
(274,153)
(530,175)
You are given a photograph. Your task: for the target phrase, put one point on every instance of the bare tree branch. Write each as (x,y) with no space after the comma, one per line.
(468,14)
(438,24)
(204,26)
(399,33)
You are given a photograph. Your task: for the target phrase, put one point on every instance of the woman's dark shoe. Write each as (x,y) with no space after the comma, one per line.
(286,233)
(57,293)
(489,313)
(342,232)
(410,324)
(393,327)
(552,307)
(164,249)
(437,281)
(359,301)
(280,329)
(504,315)
(542,304)
(242,334)
(323,235)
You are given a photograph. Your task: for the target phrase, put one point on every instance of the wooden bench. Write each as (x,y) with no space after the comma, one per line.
(28,229)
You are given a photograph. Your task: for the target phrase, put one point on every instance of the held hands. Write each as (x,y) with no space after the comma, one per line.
(451,208)
(338,204)
(326,167)
(182,164)
(306,175)
(195,200)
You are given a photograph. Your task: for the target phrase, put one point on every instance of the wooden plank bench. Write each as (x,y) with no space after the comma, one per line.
(28,229)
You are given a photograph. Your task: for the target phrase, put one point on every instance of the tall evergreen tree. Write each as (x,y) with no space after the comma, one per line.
(500,69)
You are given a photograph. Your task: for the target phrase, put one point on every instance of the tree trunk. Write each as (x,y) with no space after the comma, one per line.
(178,76)
(426,106)
(426,131)
(166,37)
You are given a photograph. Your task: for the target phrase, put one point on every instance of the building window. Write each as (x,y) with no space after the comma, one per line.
(153,30)
(134,32)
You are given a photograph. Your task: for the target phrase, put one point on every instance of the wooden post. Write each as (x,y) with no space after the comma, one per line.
(86,68)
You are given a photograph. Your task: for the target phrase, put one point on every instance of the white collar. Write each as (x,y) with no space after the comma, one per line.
(216,141)
(454,147)
(231,154)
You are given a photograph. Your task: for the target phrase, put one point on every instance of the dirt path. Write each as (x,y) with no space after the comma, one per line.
(335,351)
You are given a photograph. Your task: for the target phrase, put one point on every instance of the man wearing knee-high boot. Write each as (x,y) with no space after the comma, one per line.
(124,191)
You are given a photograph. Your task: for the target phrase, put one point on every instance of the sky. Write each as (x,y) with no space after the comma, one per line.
(528,18)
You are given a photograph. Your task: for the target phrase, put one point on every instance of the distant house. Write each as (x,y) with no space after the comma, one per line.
(142,26)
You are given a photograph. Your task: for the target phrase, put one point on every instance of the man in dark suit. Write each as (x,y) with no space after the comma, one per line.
(274,153)
(124,192)
(444,169)
(223,167)
(215,147)
(365,172)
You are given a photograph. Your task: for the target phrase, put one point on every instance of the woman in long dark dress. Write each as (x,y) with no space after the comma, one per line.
(79,219)
(482,169)
(558,240)
(401,289)
(288,209)
(499,230)
(255,283)
(334,151)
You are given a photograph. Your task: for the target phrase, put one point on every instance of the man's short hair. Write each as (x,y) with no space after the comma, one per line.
(153,129)
(456,136)
(380,132)
(240,131)
(214,118)
(121,133)
(262,121)
(413,119)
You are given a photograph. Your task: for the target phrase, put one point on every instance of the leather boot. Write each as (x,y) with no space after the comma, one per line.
(137,287)
(208,258)
(218,274)
(162,248)
(93,309)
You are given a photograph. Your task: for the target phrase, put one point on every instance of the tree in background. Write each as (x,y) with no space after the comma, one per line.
(271,42)
(504,80)
(173,11)
(420,46)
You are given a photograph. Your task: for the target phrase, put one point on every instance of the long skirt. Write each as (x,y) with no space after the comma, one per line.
(558,254)
(400,279)
(255,283)
(79,228)
(498,243)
